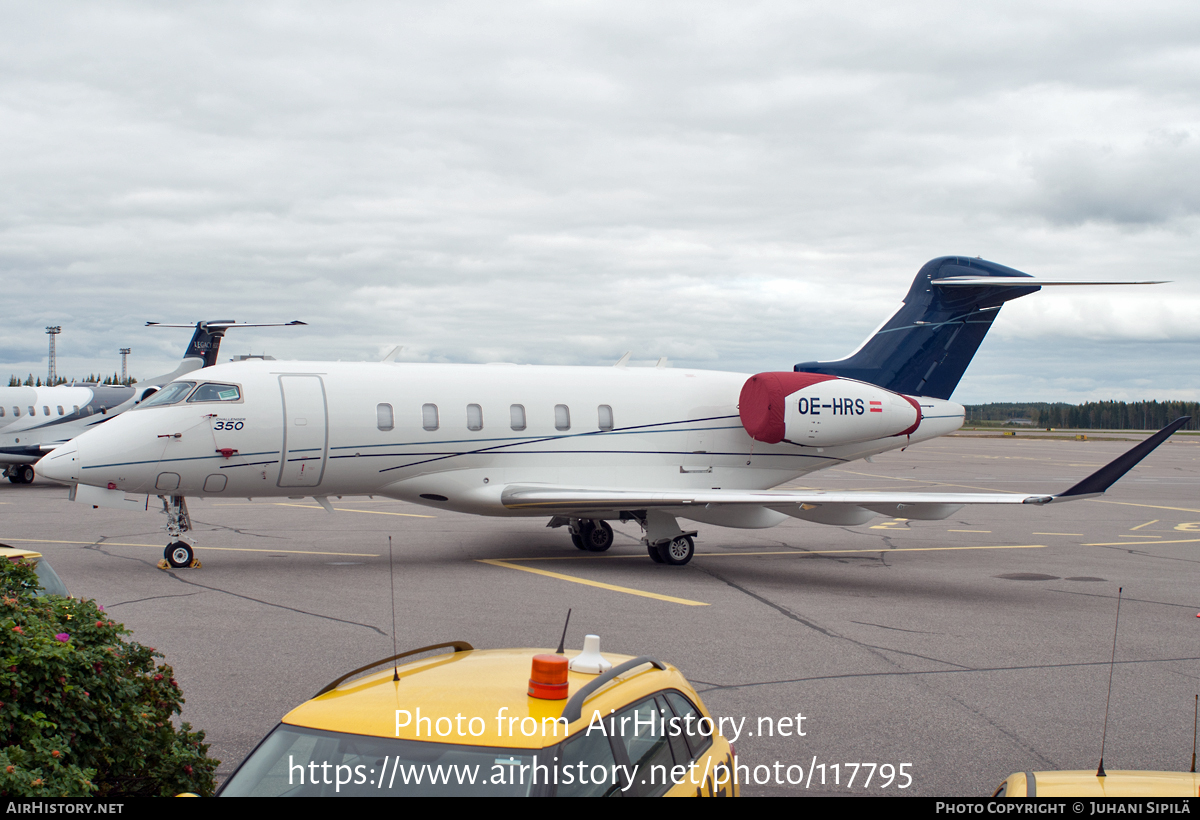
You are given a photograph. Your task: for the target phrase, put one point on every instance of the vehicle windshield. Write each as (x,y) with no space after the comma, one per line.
(51,583)
(299,762)
(216,392)
(170,394)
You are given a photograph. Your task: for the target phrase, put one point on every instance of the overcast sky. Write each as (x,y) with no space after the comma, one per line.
(736,186)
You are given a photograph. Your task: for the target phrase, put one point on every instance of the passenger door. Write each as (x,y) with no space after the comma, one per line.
(305,431)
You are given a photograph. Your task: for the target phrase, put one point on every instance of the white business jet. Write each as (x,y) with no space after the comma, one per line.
(582,445)
(35,420)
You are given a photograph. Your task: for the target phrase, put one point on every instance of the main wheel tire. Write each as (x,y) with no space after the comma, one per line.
(577,541)
(14,478)
(652,551)
(598,537)
(678,552)
(179,554)
(25,472)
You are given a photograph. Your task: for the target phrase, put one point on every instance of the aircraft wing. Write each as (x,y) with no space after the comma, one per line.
(932,505)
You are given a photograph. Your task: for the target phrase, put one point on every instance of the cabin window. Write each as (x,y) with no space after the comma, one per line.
(384,418)
(17,412)
(60,410)
(429,416)
(562,417)
(517,415)
(606,420)
(216,392)
(32,412)
(45,410)
(77,408)
(474,417)
(1,412)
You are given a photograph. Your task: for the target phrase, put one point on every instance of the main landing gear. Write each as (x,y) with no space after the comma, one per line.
(677,552)
(178,554)
(665,542)
(20,473)
(589,535)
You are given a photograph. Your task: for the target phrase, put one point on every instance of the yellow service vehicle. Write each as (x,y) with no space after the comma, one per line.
(1088,784)
(514,722)
(51,583)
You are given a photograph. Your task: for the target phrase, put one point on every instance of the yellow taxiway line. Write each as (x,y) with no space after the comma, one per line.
(497,562)
(1151,506)
(1145,543)
(509,564)
(194,546)
(797,553)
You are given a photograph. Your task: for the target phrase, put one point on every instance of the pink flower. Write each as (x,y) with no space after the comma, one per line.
(18,630)
(62,636)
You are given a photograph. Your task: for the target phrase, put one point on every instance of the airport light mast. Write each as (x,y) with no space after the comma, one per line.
(53,372)
(125,351)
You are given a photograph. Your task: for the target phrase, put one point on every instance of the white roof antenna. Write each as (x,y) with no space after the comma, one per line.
(590,661)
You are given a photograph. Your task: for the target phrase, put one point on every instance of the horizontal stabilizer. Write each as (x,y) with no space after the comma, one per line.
(994,282)
(924,348)
(206,341)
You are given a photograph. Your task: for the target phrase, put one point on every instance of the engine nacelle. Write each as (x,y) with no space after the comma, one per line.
(817,410)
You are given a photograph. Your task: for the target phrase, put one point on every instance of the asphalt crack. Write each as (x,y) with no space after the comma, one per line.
(99,542)
(878,651)
(152,598)
(277,606)
(896,628)
(713,686)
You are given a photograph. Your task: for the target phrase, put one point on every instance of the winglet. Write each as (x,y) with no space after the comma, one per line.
(1106,476)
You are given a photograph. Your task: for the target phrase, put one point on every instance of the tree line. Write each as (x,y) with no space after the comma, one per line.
(1092,415)
(93,378)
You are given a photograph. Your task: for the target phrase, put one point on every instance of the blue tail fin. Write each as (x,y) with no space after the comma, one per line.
(925,347)
(206,342)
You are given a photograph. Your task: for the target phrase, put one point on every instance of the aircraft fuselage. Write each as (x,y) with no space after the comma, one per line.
(452,436)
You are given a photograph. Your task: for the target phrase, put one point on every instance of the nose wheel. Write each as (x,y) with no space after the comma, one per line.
(179,554)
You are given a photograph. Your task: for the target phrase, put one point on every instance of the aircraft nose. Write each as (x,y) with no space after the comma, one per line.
(60,464)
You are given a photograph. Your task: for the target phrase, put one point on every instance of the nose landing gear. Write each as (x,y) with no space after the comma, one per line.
(178,554)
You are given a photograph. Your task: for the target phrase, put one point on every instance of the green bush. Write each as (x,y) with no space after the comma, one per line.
(83,711)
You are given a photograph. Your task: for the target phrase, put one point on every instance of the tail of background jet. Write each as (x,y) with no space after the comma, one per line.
(202,350)
(206,342)
(925,347)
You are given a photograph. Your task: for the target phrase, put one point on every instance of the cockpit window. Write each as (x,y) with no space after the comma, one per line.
(170,394)
(216,392)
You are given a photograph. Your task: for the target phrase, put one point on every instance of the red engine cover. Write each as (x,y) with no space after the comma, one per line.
(761,404)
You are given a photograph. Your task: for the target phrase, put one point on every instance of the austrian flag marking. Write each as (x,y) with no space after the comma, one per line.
(876,407)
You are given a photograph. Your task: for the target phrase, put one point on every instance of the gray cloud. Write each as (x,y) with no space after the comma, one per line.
(736,188)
